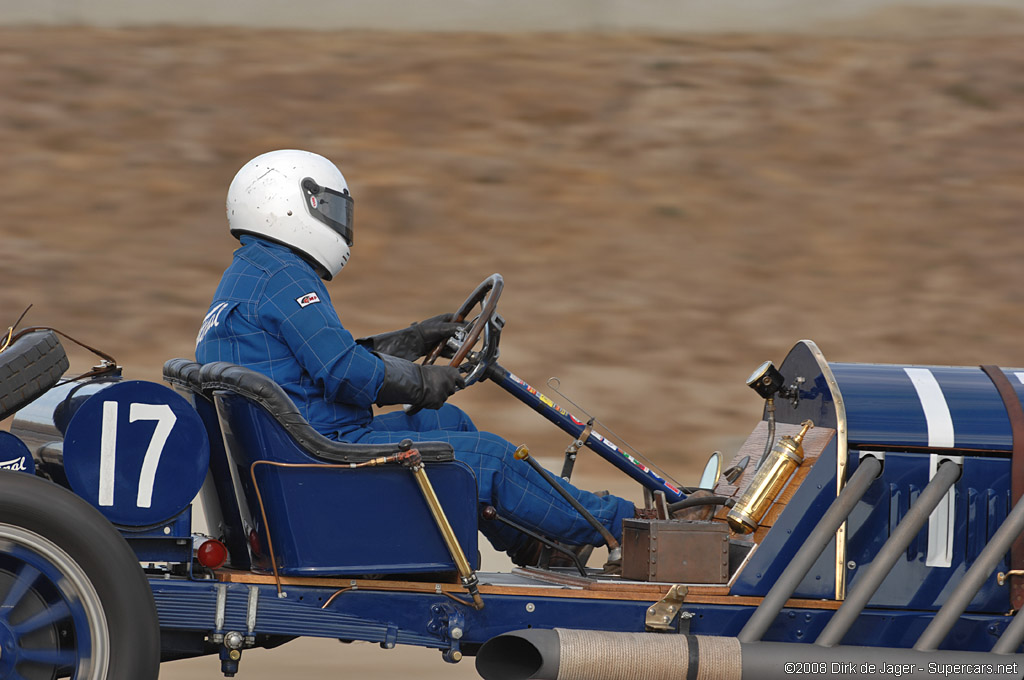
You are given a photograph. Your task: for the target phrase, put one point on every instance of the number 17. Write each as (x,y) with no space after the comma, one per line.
(165,419)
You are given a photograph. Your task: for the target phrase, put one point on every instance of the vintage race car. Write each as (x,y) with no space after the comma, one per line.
(868,525)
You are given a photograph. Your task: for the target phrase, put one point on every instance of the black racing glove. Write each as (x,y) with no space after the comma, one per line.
(439,383)
(415,341)
(421,386)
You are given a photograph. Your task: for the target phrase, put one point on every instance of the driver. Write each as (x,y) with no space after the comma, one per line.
(292,212)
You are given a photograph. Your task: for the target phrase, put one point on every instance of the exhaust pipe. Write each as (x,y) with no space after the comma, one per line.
(570,654)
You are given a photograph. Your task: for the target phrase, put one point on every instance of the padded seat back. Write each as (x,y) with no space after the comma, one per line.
(223,500)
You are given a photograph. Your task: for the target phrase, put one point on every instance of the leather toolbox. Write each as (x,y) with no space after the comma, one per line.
(676,551)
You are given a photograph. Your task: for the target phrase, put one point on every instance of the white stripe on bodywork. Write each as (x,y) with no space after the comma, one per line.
(936,410)
(940,435)
(1020,377)
(940,523)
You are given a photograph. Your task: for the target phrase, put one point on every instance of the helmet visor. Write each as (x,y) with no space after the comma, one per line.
(330,207)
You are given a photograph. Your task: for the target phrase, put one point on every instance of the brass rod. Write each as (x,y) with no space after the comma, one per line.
(466,573)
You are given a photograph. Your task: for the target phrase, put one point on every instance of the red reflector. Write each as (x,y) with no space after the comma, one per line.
(254,543)
(212,554)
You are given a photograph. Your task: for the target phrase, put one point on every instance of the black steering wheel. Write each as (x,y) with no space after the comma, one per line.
(487,323)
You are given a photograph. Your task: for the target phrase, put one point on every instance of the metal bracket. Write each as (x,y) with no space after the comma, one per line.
(574,448)
(661,504)
(656,500)
(449,624)
(390,637)
(1003,576)
(793,391)
(219,614)
(661,614)
(683,622)
(250,616)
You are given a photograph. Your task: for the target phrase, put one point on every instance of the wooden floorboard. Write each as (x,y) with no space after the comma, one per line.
(592,590)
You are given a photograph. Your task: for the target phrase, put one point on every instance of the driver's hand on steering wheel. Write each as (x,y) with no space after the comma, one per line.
(438,329)
(439,383)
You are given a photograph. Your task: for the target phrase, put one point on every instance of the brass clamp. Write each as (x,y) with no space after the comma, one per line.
(574,448)
(1003,577)
(662,613)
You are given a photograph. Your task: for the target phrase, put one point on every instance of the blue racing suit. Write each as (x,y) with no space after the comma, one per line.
(272,313)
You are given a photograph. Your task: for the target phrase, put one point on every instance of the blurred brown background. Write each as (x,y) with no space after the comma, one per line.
(667,210)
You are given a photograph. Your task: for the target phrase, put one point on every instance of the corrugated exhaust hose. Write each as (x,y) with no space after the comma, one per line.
(564,654)
(568,654)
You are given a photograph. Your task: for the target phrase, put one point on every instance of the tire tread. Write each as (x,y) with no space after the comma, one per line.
(28,368)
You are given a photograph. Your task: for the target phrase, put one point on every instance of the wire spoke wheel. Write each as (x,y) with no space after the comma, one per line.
(52,623)
(74,602)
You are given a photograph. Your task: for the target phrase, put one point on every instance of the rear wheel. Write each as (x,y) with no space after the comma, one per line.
(73,600)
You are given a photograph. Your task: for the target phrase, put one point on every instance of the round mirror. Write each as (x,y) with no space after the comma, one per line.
(712,470)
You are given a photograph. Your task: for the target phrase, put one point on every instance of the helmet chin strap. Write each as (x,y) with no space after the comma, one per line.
(320,270)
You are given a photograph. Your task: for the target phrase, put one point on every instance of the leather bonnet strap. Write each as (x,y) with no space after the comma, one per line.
(1016,414)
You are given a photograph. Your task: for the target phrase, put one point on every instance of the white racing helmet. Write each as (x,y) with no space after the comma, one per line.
(297,199)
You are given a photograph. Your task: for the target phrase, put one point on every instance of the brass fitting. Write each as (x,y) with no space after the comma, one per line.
(774,473)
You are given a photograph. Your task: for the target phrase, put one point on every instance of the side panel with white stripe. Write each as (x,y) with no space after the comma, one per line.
(940,435)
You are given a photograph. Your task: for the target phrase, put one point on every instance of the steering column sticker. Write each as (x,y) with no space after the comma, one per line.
(546,401)
(552,405)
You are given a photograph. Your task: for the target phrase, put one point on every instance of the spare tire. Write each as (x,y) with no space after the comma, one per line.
(30,366)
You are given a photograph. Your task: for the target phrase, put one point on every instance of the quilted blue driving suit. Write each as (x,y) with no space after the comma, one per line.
(273,314)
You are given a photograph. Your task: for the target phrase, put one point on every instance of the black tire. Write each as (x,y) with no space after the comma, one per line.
(30,366)
(92,569)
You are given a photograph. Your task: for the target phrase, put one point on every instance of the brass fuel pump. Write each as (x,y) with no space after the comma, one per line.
(776,469)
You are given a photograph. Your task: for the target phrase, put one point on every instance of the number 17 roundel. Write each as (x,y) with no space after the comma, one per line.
(137,451)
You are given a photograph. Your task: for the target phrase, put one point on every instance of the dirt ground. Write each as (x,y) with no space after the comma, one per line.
(667,211)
